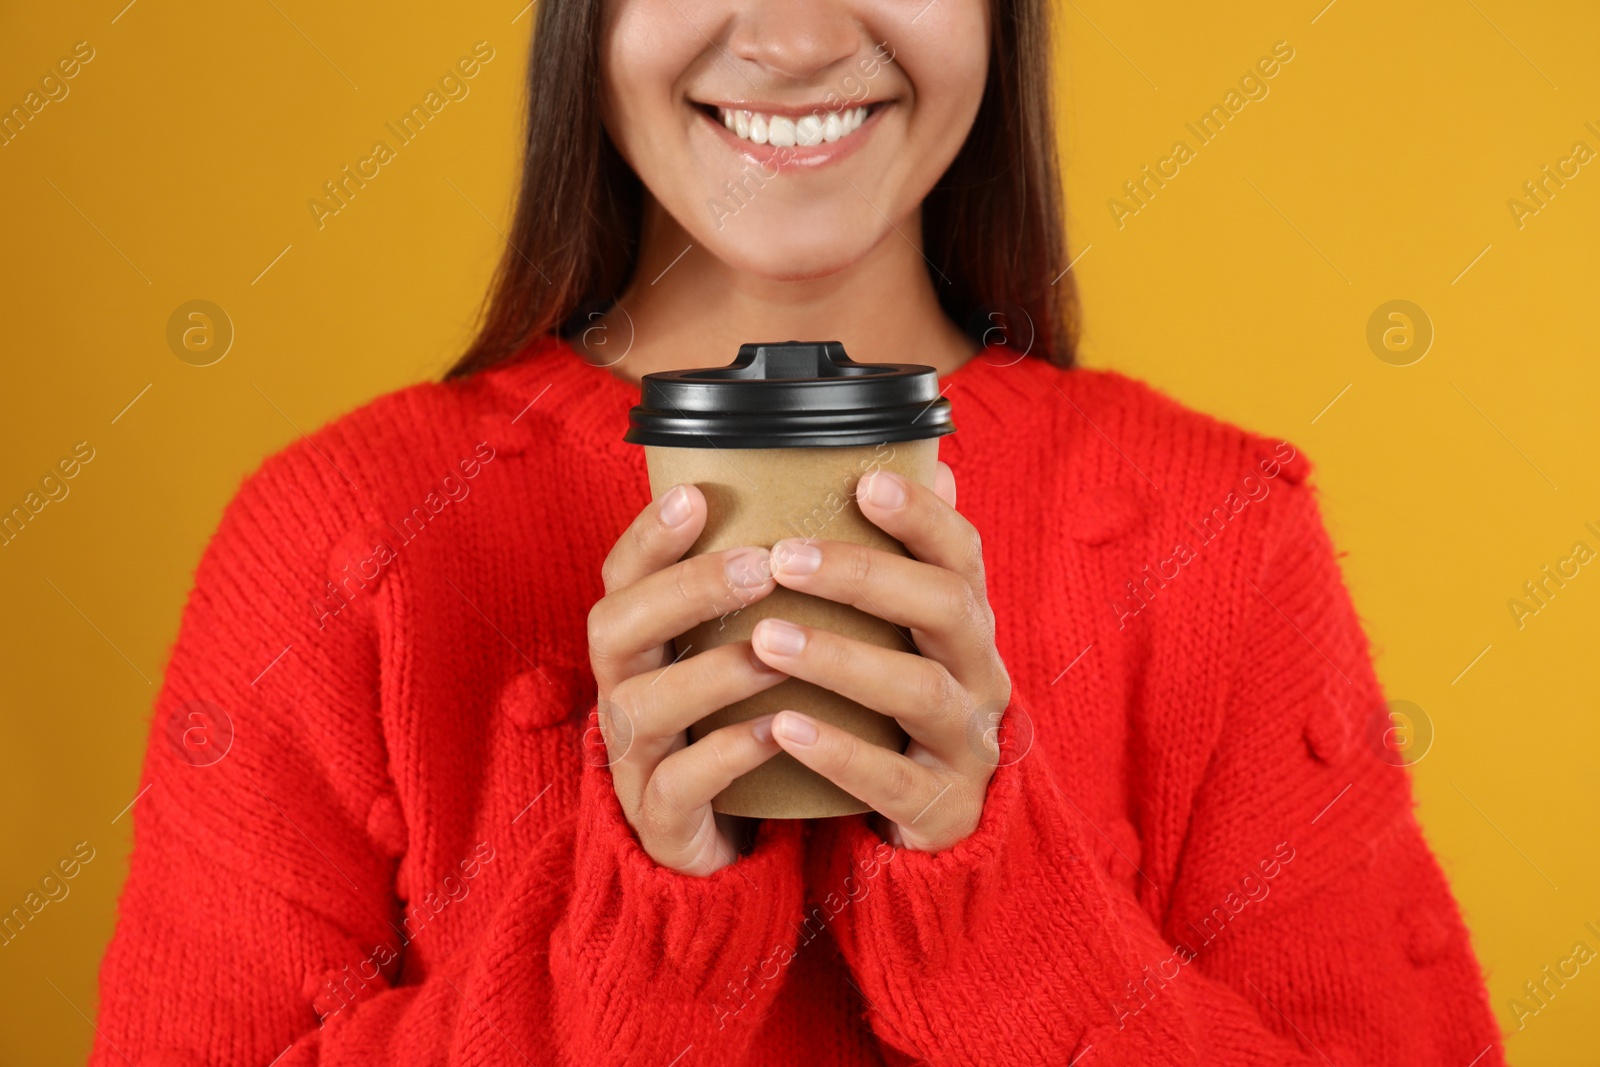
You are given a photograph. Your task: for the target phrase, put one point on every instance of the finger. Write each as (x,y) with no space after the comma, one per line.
(916,691)
(626,627)
(647,714)
(931,529)
(674,817)
(658,535)
(944,483)
(948,619)
(895,786)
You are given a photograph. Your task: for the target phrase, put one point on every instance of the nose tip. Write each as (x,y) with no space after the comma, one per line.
(796,40)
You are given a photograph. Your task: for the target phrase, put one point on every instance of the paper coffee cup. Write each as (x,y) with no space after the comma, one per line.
(777,441)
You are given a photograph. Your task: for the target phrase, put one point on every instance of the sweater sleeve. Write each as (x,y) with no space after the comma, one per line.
(264,860)
(1307,921)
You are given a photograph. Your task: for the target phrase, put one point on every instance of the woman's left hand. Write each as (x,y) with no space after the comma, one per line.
(949,699)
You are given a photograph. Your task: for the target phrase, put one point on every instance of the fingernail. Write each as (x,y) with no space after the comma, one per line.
(760,665)
(761,729)
(884,489)
(795,728)
(782,638)
(675,506)
(797,557)
(747,568)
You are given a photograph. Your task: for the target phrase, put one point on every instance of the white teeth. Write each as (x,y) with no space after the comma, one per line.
(784,130)
(780,131)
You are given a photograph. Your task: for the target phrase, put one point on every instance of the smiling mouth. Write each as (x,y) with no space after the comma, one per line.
(802,129)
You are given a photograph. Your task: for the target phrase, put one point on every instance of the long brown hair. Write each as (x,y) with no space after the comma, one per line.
(993,228)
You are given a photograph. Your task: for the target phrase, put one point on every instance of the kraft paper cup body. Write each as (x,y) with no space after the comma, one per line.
(758,496)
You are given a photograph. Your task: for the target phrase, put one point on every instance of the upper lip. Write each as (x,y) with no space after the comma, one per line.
(795,110)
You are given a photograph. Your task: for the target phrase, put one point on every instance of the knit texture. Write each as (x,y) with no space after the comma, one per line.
(379,828)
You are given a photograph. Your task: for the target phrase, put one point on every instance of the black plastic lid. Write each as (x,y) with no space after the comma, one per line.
(793,394)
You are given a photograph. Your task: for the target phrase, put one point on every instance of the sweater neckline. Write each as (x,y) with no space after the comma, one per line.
(591,404)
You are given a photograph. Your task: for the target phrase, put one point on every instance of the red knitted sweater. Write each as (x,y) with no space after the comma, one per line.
(379,828)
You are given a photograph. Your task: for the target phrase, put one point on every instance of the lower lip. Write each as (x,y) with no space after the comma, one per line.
(773,158)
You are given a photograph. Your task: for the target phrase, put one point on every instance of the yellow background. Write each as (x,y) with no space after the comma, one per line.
(1378,168)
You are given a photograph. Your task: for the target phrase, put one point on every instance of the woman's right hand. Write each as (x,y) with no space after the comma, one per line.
(647,699)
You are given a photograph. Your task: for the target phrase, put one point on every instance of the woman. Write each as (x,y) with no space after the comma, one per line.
(456,820)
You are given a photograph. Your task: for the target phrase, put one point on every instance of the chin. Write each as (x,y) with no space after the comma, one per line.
(793,251)
(795,262)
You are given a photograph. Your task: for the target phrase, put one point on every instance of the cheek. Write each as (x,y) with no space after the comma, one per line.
(647,47)
(947,64)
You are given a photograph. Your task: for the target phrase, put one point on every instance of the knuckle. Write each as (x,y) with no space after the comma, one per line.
(611,570)
(659,806)
(641,532)
(936,689)
(632,619)
(680,583)
(722,753)
(647,821)
(977,616)
(598,630)
(847,753)
(956,602)
(967,536)
(832,653)
(630,707)
(948,701)
(616,729)
(969,609)
(970,604)
(1002,686)
(966,812)
(858,565)
(901,779)
(973,555)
